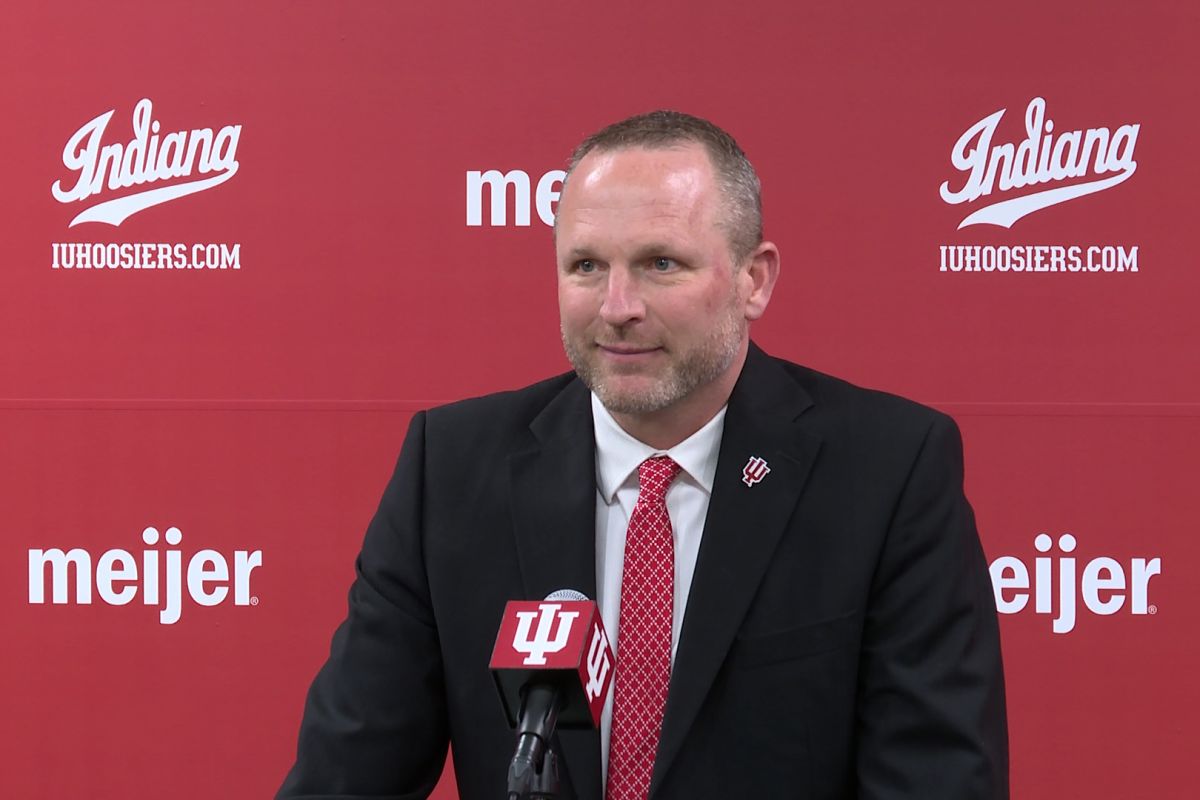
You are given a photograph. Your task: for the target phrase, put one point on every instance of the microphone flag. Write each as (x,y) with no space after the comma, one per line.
(556,641)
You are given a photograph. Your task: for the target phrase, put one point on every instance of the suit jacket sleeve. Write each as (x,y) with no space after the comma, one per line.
(931,714)
(375,721)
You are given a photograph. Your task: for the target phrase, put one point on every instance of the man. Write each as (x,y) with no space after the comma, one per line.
(785,563)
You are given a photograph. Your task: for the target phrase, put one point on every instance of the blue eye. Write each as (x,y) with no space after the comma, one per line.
(585,266)
(662,264)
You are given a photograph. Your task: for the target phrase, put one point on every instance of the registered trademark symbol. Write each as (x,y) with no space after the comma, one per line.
(1153,609)
(254,602)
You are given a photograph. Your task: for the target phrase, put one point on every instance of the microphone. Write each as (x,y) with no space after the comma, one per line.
(553,667)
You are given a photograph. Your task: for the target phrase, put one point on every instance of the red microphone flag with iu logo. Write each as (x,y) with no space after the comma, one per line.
(561,640)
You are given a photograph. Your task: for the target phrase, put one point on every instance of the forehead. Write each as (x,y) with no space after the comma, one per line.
(671,190)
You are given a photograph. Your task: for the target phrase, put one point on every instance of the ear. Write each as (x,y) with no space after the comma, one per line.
(759,274)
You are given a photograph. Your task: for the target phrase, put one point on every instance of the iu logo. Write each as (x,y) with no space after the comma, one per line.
(755,470)
(548,638)
(597,664)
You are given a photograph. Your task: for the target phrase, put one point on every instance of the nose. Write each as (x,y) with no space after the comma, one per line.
(623,302)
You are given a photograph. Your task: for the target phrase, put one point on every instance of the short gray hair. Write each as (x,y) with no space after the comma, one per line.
(735,176)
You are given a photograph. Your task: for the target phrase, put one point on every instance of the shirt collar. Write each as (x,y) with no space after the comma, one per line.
(618,454)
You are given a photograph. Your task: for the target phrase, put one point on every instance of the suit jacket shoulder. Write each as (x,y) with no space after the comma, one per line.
(878,411)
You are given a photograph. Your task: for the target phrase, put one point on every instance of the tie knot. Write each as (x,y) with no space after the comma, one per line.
(655,475)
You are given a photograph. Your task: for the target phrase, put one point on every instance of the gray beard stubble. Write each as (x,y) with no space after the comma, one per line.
(703,365)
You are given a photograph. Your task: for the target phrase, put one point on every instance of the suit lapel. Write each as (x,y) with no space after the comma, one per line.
(553,491)
(741,531)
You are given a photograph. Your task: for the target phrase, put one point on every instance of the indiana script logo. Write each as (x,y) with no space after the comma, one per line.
(1043,157)
(148,158)
(548,638)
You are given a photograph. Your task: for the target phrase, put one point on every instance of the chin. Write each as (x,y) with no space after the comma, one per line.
(642,396)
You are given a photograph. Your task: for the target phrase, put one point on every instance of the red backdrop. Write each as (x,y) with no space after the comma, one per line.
(260,406)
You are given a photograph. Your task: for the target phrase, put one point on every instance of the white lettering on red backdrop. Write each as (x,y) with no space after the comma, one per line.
(545,199)
(1042,157)
(1103,586)
(117,580)
(146,158)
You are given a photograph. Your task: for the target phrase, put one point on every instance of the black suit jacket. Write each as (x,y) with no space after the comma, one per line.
(840,638)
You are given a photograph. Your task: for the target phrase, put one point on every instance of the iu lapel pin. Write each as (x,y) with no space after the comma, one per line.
(755,470)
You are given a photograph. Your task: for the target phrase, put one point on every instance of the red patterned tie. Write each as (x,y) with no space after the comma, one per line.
(644,631)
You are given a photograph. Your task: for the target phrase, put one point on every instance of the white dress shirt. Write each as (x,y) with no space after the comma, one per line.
(617,458)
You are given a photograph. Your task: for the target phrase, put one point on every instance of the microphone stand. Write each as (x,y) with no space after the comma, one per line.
(533,773)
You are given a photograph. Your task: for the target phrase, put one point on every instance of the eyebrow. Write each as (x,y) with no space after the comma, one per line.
(643,252)
(655,249)
(578,254)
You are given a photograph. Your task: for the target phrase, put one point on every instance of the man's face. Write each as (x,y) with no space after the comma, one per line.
(651,306)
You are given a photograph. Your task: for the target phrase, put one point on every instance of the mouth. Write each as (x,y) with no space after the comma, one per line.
(626,350)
